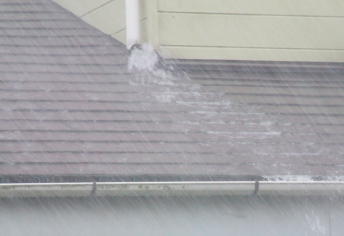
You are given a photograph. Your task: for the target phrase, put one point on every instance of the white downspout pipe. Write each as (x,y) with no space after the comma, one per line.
(133,23)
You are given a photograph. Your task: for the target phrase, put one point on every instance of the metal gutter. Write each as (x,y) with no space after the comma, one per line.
(46,190)
(175,188)
(230,188)
(298,188)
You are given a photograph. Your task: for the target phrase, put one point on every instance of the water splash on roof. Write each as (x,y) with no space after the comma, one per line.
(149,67)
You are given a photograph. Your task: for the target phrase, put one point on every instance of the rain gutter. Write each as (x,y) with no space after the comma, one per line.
(239,188)
(132,23)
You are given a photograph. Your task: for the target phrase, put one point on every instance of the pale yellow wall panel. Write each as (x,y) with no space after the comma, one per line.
(122,37)
(151,8)
(80,7)
(253,54)
(109,18)
(273,7)
(251,31)
(144,8)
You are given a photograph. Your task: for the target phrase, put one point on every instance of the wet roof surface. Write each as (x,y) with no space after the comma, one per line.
(69,107)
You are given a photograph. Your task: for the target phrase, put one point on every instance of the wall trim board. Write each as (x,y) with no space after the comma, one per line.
(334,8)
(213,53)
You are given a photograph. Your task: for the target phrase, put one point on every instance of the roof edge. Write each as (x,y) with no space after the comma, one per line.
(23,179)
(210,188)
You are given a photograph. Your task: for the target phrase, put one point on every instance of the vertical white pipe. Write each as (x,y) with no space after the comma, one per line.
(133,22)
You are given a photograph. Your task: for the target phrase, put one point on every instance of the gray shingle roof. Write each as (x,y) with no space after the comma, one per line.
(70,109)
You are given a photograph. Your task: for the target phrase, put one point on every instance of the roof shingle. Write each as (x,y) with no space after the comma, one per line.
(69,107)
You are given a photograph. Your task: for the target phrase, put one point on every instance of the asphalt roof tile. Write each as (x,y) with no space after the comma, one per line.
(69,109)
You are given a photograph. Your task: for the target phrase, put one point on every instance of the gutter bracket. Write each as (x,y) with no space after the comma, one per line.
(256,187)
(94,188)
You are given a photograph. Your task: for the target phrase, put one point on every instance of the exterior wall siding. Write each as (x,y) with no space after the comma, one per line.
(106,15)
(264,30)
(287,30)
(254,7)
(81,7)
(205,216)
